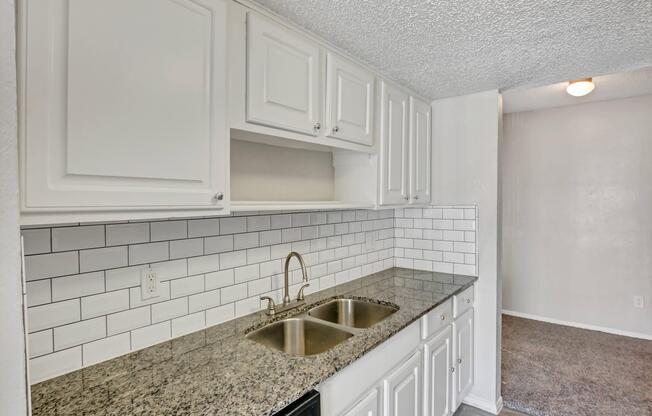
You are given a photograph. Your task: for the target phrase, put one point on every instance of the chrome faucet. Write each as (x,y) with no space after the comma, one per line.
(272,308)
(286,293)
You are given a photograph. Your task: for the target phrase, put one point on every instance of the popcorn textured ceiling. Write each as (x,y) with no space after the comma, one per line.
(455,47)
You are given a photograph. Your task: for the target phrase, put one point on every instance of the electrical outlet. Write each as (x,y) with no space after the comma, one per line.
(149,284)
(639,302)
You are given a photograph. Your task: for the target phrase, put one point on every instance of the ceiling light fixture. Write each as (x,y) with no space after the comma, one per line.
(580,87)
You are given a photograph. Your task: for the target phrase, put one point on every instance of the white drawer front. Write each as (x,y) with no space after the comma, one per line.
(463,302)
(436,319)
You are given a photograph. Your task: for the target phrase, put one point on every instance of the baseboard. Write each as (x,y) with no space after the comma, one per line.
(578,325)
(484,404)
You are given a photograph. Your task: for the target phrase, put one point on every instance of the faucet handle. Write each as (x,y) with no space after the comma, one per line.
(271,306)
(300,296)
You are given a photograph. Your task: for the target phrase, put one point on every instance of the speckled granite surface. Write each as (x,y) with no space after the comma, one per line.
(556,370)
(218,371)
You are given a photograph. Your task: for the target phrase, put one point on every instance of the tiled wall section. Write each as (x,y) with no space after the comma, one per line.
(83,289)
(440,239)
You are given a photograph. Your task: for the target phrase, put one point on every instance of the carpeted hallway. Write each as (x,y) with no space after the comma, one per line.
(555,370)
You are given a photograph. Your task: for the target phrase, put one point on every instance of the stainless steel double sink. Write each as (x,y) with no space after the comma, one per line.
(322,327)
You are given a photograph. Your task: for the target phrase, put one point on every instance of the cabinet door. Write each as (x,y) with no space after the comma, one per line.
(118,110)
(420,157)
(438,393)
(282,77)
(463,356)
(394,146)
(349,101)
(402,390)
(368,406)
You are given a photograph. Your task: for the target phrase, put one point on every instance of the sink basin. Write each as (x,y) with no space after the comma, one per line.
(298,336)
(351,312)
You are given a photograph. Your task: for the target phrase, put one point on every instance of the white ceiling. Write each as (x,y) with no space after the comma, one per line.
(607,87)
(444,48)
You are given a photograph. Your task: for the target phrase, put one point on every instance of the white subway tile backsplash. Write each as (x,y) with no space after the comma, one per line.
(233,293)
(453,213)
(36,241)
(465,225)
(168,230)
(103,258)
(149,252)
(186,286)
(53,314)
(122,234)
(128,320)
(203,264)
(213,269)
(106,348)
(186,248)
(233,225)
(39,292)
(78,285)
(79,332)
(76,238)
(164,311)
(40,343)
(220,314)
(52,365)
(150,335)
(233,259)
(244,241)
(105,303)
(203,301)
(466,269)
(219,279)
(51,265)
(187,324)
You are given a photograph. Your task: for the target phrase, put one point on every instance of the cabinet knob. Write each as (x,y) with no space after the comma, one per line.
(336,129)
(218,196)
(317,126)
(468,300)
(452,369)
(459,361)
(443,317)
(407,197)
(416,197)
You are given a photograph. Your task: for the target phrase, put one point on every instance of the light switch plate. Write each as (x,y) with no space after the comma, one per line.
(149,284)
(639,302)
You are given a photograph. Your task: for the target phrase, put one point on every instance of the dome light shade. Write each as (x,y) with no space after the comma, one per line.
(580,87)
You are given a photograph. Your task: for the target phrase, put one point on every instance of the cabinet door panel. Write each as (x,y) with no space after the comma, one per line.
(394,146)
(368,406)
(420,157)
(402,389)
(463,355)
(349,101)
(120,111)
(438,375)
(282,77)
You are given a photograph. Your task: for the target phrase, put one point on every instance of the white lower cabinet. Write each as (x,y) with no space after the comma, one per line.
(405,376)
(463,356)
(402,388)
(438,371)
(368,406)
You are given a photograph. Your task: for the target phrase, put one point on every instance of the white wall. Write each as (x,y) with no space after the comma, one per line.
(577,217)
(466,134)
(12,347)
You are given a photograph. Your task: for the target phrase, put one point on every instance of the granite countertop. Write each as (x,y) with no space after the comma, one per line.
(217,371)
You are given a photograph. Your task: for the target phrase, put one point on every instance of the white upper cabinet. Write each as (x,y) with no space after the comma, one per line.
(394,146)
(420,157)
(122,105)
(283,72)
(349,101)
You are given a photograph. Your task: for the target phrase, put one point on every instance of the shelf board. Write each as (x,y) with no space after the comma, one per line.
(296,205)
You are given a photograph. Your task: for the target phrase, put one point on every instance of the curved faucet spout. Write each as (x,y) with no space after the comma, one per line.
(286,294)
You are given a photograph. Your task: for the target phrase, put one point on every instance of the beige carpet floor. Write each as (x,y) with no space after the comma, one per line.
(555,370)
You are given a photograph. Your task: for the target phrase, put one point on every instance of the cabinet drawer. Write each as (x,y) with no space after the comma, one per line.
(436,319)
(463,302)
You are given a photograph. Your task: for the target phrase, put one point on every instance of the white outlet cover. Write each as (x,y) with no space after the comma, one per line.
(639,302)
(149,284)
